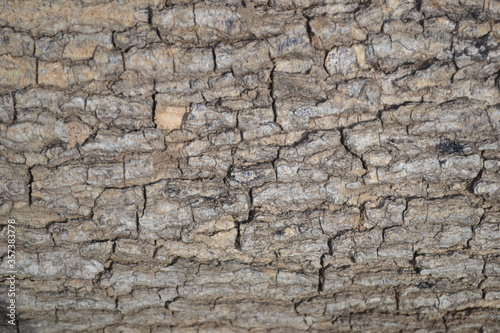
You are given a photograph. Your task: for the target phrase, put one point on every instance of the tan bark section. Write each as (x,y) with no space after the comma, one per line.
(169,117)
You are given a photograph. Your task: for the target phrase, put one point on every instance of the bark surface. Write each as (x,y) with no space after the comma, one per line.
(251,166)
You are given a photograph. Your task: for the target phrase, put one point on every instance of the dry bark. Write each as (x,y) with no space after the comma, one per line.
(262,166)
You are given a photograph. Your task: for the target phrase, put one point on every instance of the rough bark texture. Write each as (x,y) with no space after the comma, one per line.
(263,166)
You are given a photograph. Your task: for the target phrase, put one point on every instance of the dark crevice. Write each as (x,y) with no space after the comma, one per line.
(362,213)
(474,181)
(150,15)
(346,147)
(396,296)
(310,33)
(271,93)
(155,252)
(250,196)
(497,81)
(413,262)
(473,229)
(153,108)
(36,71)
(30,187)
(237,241)
(167,303)
(485,277)
(137,224)
(445,323)
(144,194)
(14,106)
(215,58)
(403,213)
(251,216)
(321,275)
(113,40)
(418,5)
(108,267)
